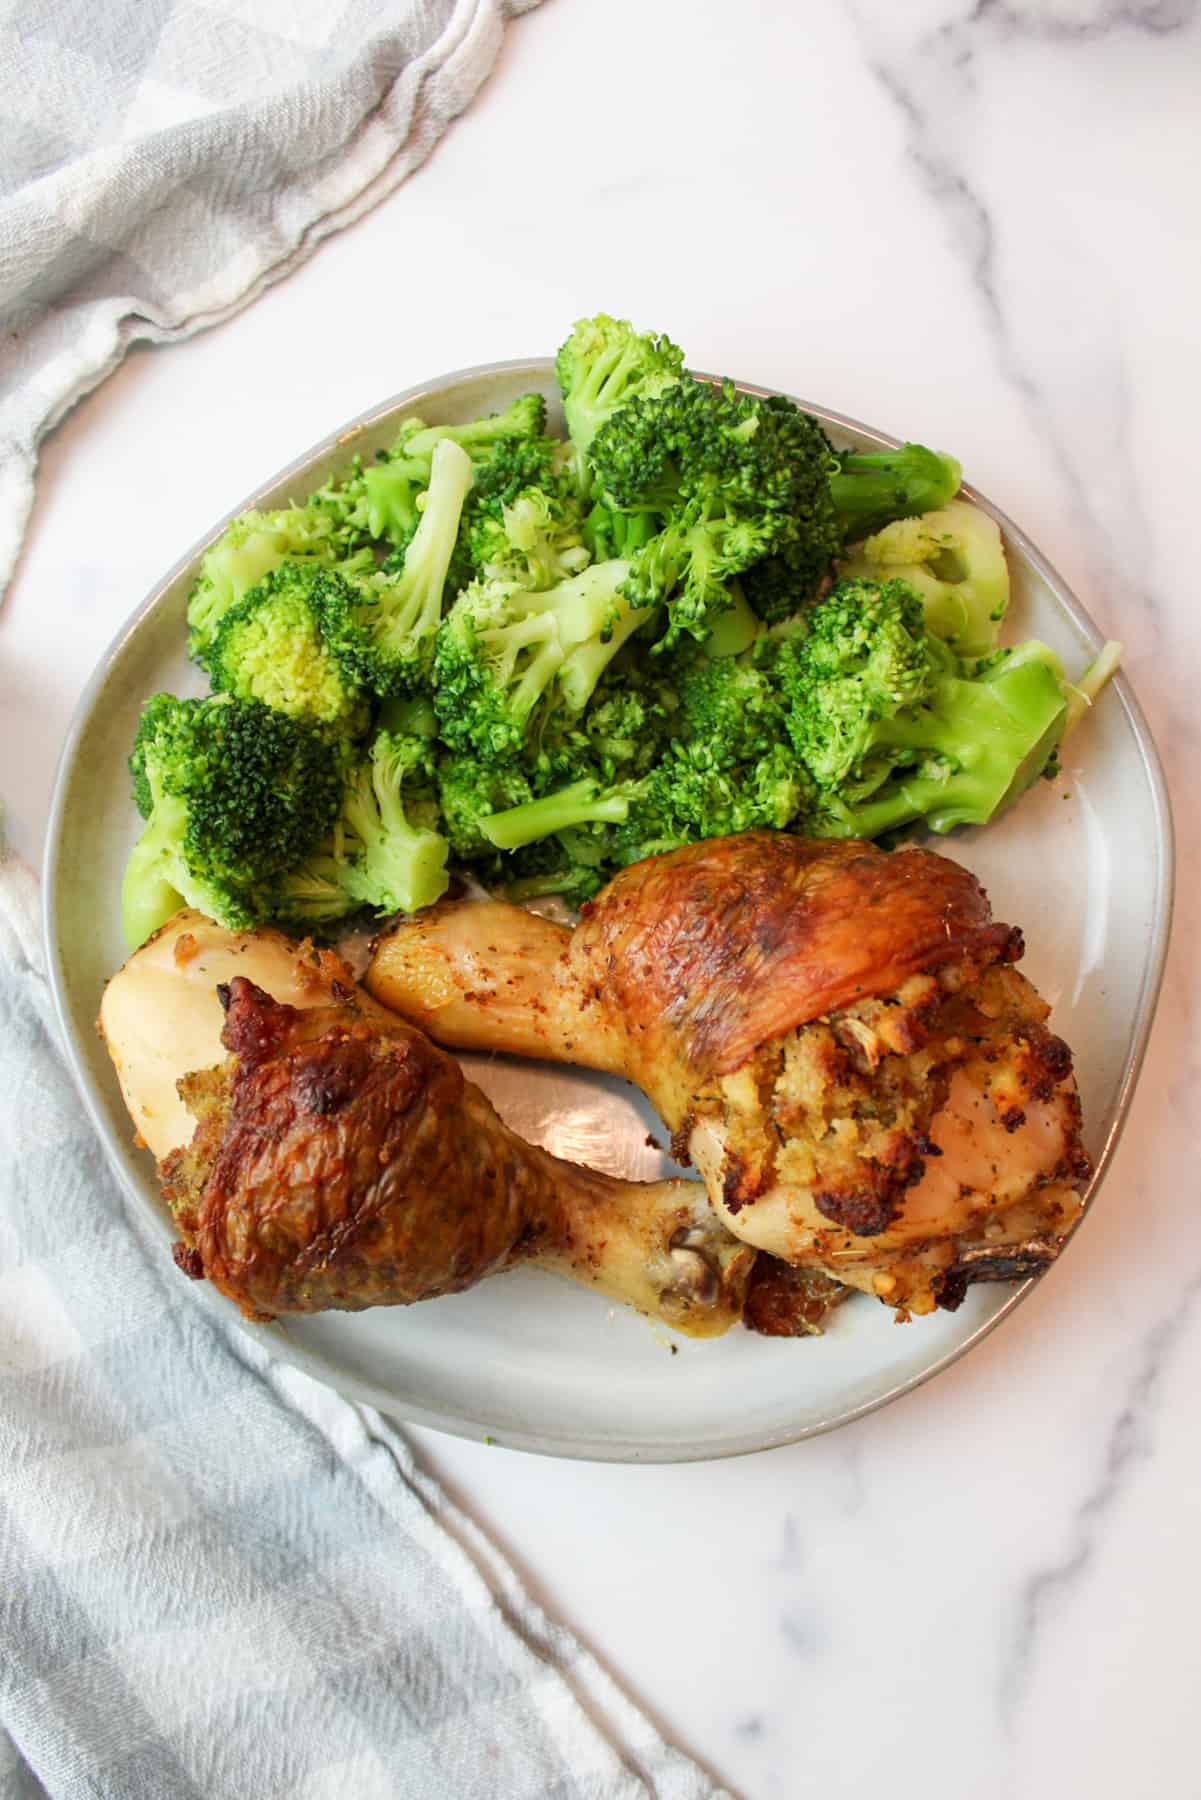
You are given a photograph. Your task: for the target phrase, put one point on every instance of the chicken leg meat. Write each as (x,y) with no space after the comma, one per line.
(340,1159)
(835,1035)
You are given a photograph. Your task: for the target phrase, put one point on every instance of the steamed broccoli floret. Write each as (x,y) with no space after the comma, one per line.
(730,706)
(470,790)
(866,655)
(894,728)
(733,479)
(504,651)
(390,817)
(280,644)
(381,499)
(253,545)
(535,540)
(872,488)
(232,793)
(620,736)
(604,364)
(385,850)
(954,560)
(401,619)
(695,792)
(498,652)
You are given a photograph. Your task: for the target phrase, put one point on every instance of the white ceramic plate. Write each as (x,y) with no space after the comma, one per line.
(1083,864)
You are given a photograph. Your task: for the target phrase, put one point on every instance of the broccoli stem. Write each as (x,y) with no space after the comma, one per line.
(403,865)
(733,630)
(524,690)
(148,899)
(412,607)
(996,735)
(871,489)
(1083,693)
(582,803)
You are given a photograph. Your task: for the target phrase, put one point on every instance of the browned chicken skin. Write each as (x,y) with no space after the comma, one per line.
(342,1163)
(835,1036)
(341,1160)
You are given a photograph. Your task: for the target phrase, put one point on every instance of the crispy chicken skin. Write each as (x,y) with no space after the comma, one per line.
(341,1160)
(834,1034)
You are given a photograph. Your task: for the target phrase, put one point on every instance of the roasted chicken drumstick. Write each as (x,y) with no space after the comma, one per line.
(341,1159)
(834,1034)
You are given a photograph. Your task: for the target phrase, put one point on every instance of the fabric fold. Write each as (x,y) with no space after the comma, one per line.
(217,1577)
(160,166)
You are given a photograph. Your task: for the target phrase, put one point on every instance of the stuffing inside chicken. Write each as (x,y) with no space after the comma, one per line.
(835,1035)
(317,1151)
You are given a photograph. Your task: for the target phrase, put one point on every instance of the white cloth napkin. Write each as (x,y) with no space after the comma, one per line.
(218,1580)
(161,161)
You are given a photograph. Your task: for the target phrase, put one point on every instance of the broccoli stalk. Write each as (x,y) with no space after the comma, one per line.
(595,618)
(584,802)
(1082,694)
(397,862)
(971,750)
(401,621)
(954,560)
(156,876)
(872,488)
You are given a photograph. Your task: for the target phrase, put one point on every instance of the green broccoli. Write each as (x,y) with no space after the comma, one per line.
(386,492)
(872,488)
(280,644)
(384,851)
(893,727)
(253,545)
(866,655)
(535,540)
(469,790)
(505,653)
(232,793)
(954,560)
(696,792)
(401,611)
(732,478)
(584,802)
(603,365)
(732,707)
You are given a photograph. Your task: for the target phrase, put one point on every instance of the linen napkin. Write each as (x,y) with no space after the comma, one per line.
(161,161)
(219,1580)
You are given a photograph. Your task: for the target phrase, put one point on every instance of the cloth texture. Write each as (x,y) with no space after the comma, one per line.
(161,161)
(218,1579)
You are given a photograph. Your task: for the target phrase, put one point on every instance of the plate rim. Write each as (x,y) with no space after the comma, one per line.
(583,1448)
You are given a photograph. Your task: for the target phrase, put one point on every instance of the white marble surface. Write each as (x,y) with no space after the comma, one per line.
(973,224)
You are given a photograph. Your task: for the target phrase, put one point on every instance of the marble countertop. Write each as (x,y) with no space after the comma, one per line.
(972,223)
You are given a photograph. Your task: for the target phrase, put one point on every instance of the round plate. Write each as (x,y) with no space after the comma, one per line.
(1083,864)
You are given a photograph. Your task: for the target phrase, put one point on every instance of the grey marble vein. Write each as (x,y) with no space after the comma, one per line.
(1129,1444)
(1084,22)
(930,78)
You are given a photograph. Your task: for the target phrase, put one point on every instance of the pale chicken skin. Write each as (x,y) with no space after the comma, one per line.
(835,1036)
(319,1152)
